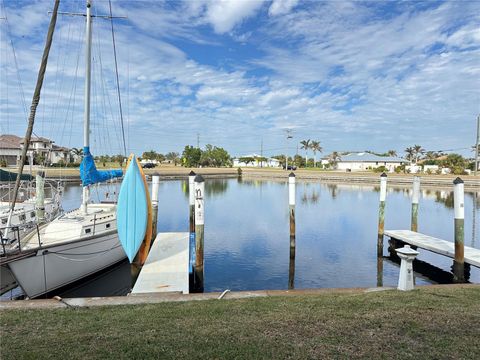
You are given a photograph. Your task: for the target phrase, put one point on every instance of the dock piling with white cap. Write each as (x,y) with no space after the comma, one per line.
(381,213)
(459,211)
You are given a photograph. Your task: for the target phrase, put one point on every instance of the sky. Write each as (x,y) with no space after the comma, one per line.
(354,75)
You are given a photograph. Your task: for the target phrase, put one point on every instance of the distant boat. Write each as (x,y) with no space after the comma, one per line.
(79,242)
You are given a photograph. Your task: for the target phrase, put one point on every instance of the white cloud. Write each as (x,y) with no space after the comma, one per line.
(224,15)
(280,7)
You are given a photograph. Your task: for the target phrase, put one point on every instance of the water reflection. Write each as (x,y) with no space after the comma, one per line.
(212,187)
(333,190)
(291,269)
(445,198)
(310,198)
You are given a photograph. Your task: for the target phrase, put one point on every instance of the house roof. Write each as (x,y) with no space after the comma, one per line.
(38,139)
(10,141)
(368,157)
(15,142)
(59,148)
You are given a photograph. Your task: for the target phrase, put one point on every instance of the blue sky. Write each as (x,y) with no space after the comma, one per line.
(353,75)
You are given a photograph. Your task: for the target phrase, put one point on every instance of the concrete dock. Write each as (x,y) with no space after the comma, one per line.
(439,246)
(167,266)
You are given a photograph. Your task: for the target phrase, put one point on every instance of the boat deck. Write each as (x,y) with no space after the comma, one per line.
(167,266)
(439,246)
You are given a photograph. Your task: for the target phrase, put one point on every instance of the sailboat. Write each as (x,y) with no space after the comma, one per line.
(79,242)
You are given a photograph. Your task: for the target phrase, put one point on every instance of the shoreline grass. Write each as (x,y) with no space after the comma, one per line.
(427,323)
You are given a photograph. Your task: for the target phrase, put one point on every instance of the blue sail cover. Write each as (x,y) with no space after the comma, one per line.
(89,173)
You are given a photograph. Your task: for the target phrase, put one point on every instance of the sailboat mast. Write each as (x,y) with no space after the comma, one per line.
(86,115)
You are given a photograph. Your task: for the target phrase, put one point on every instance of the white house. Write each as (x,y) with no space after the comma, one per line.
(256,161)
(413,169)
(11,150)
(366,161)
(431,168)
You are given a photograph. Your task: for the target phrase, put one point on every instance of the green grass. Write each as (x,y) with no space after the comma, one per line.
(423,324)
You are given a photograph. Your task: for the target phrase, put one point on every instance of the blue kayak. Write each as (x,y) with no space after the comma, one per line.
(132,210)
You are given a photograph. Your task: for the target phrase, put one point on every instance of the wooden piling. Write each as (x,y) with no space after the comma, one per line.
(415,200)
(155,186)
(381,213)
(191,200)
(199,231)
(459,213)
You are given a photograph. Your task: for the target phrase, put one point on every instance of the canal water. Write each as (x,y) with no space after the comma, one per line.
(247,244)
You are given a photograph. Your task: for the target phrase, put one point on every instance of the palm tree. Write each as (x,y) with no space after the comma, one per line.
(410,153)
(334,158)
(315,146)
(173,156)
(431,155)
(392,153)
(75,154)
(305,146)
(418,151)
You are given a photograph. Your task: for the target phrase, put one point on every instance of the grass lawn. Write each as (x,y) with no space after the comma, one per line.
(428,323)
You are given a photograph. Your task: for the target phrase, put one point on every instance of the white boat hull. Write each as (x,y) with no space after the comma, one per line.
(56,266)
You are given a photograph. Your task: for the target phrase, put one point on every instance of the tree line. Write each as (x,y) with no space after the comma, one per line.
(213,156)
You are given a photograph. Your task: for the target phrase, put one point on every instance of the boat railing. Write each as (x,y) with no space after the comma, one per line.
(54,189)
(11,238)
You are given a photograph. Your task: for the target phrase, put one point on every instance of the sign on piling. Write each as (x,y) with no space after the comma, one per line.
(459,212)
(199,230)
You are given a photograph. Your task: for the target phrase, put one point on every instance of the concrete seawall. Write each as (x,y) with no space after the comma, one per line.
(472,183)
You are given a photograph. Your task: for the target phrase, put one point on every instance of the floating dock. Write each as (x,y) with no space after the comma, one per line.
(439,246)
(167,266)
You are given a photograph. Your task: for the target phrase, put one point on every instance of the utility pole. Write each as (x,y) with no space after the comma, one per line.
(289,136)
(476,145)
(198,140)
